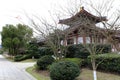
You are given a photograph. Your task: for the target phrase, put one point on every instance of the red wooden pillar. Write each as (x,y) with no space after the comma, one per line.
(76,38)
(84,39)
(90,39)
(65,42)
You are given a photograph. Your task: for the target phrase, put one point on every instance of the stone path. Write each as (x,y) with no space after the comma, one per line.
(14,71)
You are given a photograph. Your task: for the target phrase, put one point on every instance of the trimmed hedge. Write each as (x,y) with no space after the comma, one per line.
(110,62)
(22,57)
(18,57)
(34,51)
(44,62)
(79,51)
(64,70)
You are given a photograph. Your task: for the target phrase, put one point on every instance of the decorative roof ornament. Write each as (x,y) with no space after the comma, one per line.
(81,8)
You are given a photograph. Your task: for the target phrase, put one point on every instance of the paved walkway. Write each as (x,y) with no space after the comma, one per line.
(14,71)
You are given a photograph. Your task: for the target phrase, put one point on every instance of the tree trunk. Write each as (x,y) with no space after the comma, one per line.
(94,75)
(94,68)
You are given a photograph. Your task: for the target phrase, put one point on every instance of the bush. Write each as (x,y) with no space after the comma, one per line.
(106,48)
(44,62)
(110,62)
(33,51)
(18,57)
(79,51)
(1,51)
(64,70)
(45,51)
(77,61)
(22,57)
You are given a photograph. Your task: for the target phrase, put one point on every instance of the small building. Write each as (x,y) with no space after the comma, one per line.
(83,29)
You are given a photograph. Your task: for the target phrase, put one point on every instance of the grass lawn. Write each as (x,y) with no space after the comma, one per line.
(38,76)
(86,74)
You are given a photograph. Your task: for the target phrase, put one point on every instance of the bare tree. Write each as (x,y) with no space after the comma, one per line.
(110,30)
(112,25)
(52,33)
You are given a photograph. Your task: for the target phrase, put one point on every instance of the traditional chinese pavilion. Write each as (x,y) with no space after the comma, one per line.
(83,29)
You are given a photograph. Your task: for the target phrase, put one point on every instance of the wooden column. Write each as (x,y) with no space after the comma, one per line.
(65,42)
(76,38)
(84,39)
(90,39)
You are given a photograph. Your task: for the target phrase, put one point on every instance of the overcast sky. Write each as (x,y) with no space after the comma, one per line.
(12,11)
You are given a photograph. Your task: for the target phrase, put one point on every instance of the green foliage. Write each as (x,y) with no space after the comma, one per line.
(15,37)
(77,61)
(45,51)
(18,58)
(33,50)
(64,70)
(1,51)
(79,51)
(22,57)
(44,62)
(7,44)
(108,62)
(106,48)
(16,41)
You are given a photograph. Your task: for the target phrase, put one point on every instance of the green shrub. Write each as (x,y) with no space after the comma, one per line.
(18,57)
(64,70)
(44,62)
(1,51)
(77,61)
(38,52)
(79,51)
(22,57)
(33,51)
(110,62)
(106,48)
(45,51)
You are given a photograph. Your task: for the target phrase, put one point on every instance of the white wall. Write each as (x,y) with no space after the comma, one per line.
(62,43)
(87,39)
(80,40)
(74,40)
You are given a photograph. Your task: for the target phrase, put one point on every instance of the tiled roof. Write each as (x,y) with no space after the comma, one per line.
(82,14)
